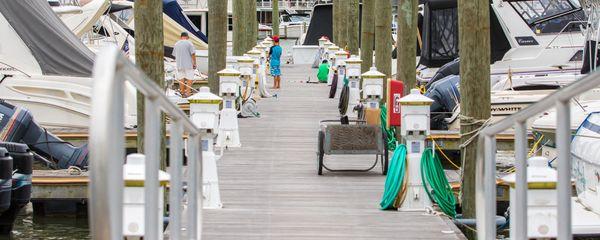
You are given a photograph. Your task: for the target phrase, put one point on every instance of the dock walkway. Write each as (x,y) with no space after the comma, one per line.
(270,188)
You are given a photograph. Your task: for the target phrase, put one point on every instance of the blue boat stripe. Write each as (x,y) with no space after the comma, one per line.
(591,126)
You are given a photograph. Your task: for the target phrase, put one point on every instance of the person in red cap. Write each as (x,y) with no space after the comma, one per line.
(275,61)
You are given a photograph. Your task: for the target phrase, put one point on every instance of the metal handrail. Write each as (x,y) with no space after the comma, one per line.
(486,164)
(107,150)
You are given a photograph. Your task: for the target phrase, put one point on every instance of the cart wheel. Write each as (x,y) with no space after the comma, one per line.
(320,153)
(385,161)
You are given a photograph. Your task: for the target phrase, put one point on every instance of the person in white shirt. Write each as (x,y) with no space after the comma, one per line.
(185,57)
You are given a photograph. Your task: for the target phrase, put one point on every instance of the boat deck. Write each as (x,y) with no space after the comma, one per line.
(270,188)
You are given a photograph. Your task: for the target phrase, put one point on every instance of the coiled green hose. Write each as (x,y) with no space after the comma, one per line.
(394,178)
(390,133)
(432,175)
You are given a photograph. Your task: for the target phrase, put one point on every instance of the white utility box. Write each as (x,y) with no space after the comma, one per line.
(205,109)
(415,111)
(204,113)
(542,219)
(229,80)
(134,197)
(373,87)
(322,41)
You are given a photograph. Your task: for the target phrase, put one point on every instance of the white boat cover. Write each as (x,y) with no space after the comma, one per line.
(585,149)
(81,23)
(55,48)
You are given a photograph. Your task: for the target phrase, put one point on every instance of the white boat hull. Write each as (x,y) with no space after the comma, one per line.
(57,101)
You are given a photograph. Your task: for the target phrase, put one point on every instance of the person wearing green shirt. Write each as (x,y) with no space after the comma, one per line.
(323,71)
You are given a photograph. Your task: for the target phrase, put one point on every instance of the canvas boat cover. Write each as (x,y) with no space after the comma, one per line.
(53,45)
(175,12)
(172,31)
(321,24)
(440,34)
(81,23)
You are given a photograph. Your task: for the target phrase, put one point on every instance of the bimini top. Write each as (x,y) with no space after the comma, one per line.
(175,12)
(36,41)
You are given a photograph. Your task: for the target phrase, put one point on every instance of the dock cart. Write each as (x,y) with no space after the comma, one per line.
(354,138)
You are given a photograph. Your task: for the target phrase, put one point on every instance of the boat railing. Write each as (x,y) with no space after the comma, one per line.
(563,30)
(112,70)
(75,3)
(486,162)
(287,4)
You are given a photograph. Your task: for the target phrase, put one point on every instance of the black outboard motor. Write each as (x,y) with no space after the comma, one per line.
(446,96)
(451,68)
(6,168)
(17,125)
(21,183)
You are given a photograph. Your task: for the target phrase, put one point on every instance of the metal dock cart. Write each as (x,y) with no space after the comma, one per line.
(355,138)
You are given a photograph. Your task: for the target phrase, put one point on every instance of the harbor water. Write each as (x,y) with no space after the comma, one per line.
(55,228)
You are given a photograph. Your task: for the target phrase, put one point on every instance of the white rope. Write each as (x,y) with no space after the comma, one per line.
(470,121)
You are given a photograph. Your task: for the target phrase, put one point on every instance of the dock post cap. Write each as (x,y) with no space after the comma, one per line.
(539,175)
(537,161)
(136,159)
(415,98)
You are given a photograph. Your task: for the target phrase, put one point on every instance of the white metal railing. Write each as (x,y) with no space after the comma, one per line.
(486,163)
(107,151)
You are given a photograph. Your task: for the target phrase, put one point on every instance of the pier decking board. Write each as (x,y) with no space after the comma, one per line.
(270,188)
(448,140)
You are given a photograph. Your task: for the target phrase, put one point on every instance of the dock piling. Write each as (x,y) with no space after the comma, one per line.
(475,98)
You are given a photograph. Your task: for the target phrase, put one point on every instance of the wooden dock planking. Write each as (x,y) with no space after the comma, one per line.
(270,189)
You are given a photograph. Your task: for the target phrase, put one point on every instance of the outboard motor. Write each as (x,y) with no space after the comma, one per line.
(17,125)
(451,68)
(22,165)
(6,166)
(446,97)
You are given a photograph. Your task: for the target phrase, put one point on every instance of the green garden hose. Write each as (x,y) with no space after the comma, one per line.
(390,133)
(432,175)
(394,178)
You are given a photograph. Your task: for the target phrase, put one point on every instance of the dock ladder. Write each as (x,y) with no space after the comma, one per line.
(107,153)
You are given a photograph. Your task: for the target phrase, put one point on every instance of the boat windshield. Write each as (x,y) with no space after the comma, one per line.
(549,16)
(296,18)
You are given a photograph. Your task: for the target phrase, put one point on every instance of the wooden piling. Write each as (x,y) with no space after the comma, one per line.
(275,16)
(406,47)
(149,53)
(474,40)
(252,25)
(239,27)
(383,38)
(343,23)
(217,41)
(367,34)
(336,21)
(353,26)
(245,26)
